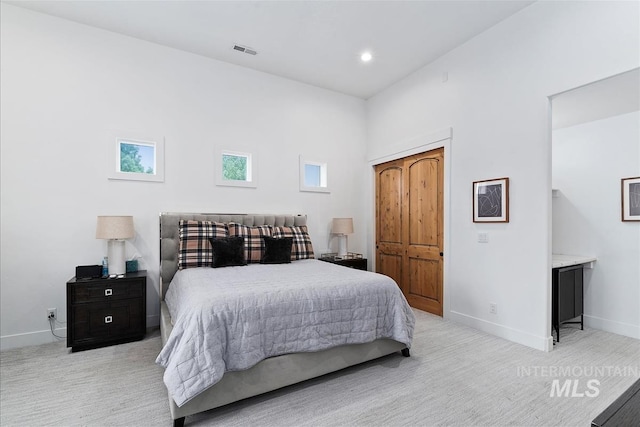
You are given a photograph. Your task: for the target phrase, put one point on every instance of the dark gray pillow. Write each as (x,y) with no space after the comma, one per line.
(277,251)
(228,252)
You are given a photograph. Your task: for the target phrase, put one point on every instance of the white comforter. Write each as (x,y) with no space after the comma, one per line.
(229,319)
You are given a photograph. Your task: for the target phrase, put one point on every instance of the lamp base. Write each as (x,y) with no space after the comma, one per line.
(115,251)
(342,249)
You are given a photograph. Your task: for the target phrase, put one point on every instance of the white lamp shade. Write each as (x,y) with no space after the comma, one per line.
(342,226)
(114,227)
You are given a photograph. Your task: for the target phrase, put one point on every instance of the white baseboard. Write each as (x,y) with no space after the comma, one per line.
(620,328)
(517,336)
(31,338)
(45,337)
(153,321)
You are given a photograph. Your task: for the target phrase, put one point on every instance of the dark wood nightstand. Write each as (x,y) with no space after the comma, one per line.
(357,263)
(103,311)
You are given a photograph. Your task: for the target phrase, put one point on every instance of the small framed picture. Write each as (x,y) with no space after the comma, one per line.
(491,200)
(631,199)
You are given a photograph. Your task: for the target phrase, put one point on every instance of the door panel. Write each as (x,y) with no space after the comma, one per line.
(389,204)
(423,202)
(389,197)
(423,278)
(391,265)
(425,285)
(409,226)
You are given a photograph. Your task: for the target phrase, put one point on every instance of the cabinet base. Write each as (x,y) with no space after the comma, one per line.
(101,344)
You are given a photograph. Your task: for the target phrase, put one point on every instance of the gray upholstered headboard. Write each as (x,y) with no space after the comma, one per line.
(170,239)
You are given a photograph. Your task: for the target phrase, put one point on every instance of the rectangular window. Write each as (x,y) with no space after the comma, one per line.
(313,176)
(137,159)
(236,169)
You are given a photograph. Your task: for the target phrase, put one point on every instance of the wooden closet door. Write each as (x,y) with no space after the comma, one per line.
(389,231)
(409,226)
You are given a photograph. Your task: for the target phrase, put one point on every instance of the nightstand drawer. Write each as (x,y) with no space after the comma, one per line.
(99,321)
(106,290)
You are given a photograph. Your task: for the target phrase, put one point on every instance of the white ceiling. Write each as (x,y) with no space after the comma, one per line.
(315,42)
(596,101)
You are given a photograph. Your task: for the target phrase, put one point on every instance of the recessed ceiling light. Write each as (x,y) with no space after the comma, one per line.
(366,57)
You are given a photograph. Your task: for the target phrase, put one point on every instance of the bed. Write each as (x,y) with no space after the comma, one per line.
(286,363)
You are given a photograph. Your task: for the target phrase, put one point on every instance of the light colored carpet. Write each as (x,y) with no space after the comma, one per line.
(455,376)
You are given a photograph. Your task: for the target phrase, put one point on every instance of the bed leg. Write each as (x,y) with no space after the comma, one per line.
(178,422)
(405,352)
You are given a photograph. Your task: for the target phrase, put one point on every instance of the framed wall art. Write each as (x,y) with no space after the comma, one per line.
(491,200)
(631,199)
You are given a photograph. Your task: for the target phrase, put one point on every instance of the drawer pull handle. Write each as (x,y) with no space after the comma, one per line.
(108,319)
(108,292)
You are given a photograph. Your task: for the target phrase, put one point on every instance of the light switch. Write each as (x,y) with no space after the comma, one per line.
(483,237)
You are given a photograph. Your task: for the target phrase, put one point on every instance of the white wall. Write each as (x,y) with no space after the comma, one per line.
(589,160)
(65,86)
(496,101)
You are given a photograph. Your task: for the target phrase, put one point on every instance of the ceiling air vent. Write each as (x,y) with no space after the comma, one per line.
(244,49)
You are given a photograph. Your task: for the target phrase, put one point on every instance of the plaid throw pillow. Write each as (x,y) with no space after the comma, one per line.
(253,242)
(195,249)
(302,247)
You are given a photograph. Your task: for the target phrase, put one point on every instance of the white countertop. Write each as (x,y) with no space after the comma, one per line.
(561,260)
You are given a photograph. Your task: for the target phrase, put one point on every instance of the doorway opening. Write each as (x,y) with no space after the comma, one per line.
(596,144)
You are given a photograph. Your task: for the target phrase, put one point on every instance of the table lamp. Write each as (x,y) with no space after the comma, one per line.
(115,229)
(342,227)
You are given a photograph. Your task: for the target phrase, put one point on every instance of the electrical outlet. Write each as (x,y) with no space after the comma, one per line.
(52,313)
(493,308)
